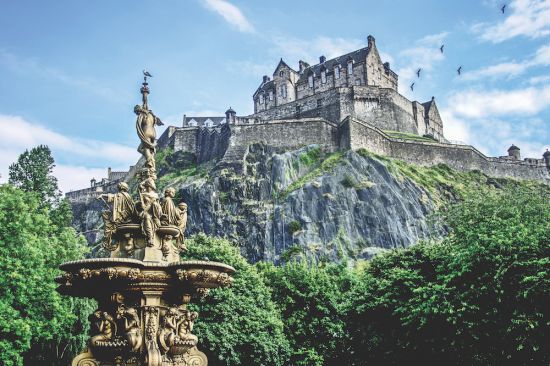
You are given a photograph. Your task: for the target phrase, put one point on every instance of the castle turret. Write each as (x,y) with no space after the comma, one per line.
(513,152)
(92,182)
(230,116)
(546,157)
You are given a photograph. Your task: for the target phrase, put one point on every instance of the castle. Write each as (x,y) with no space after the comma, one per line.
(348,102)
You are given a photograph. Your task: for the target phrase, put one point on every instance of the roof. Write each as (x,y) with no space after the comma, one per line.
(513,147)
(202,120)
(428,105)
(357,56)
(265,87)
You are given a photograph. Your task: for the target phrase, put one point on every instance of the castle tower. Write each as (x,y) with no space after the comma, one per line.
(546,157)
(230,116)
(513,152)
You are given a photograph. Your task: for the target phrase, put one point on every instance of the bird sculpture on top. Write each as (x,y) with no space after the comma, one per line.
(146,75)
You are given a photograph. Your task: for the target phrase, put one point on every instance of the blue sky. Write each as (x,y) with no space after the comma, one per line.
(71,69)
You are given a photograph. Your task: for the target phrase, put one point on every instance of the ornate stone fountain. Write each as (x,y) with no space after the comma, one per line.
(144,288)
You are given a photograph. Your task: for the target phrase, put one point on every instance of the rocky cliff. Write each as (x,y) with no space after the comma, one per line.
(303,202)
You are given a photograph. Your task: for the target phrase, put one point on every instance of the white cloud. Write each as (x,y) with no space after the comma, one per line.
(455,129)
(485,103)
(72,178)
(511,69)
(529,18)
(543,79)
(230,14)
(424,55)
(30,67)
(21,135)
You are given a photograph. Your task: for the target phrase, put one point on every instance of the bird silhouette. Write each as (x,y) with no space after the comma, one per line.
(503,8)
(418,72)
(459,70)
(412,87)
(441,48)
(146,73)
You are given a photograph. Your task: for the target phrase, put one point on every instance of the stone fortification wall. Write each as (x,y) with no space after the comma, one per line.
(288,134)
(460,157)
(381,107)
(324,105)
(384,108)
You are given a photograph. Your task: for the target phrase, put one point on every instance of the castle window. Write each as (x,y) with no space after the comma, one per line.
(270,95)
(283,91)
(323,76)
(298,111)
(281,73)
(319,103)
(350,67)
(357,81)
(337,72)
(310,80)
(261,99)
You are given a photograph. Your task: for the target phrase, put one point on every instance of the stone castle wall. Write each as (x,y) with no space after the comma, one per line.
(459,157)
(381,107)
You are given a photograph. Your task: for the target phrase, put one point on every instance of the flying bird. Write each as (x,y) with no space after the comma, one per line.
(146,73)
(412,87)
(503,8)
(459,70)
(418,72)
(441,48)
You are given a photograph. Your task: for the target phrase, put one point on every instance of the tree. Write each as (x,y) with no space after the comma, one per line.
(309,298)
(478,297)
(32,314)
(239,325)
(33,173)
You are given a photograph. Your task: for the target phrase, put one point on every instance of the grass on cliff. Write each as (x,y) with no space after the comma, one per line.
(441,181)
(326,165)
(409,136)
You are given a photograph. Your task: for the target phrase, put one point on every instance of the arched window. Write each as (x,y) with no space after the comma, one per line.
(281,73)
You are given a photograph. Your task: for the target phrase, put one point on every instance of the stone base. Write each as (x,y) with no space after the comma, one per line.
(193,357)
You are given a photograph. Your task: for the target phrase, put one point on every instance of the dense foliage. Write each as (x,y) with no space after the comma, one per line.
(37,325)
(480,297)
(239,325)
(33,173)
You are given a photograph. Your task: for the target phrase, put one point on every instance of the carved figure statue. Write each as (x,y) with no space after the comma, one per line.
(181,223)
(122,211)
(129,245)
(168,333)
(149,209)
(169,210)
(166,245)
(131,327)
(105,327)
(145,126)
(186,322)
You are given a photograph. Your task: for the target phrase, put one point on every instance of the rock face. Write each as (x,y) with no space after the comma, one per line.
(323,206)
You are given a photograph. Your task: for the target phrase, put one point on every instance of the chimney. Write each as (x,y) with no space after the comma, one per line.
(322,59)
(546,157)
(184,121)
(109,173)
(266,79)
(370,41)
(303,65)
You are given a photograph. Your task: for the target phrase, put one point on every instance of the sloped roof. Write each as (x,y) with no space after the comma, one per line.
(357,56)
(265,87)
(201,120)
